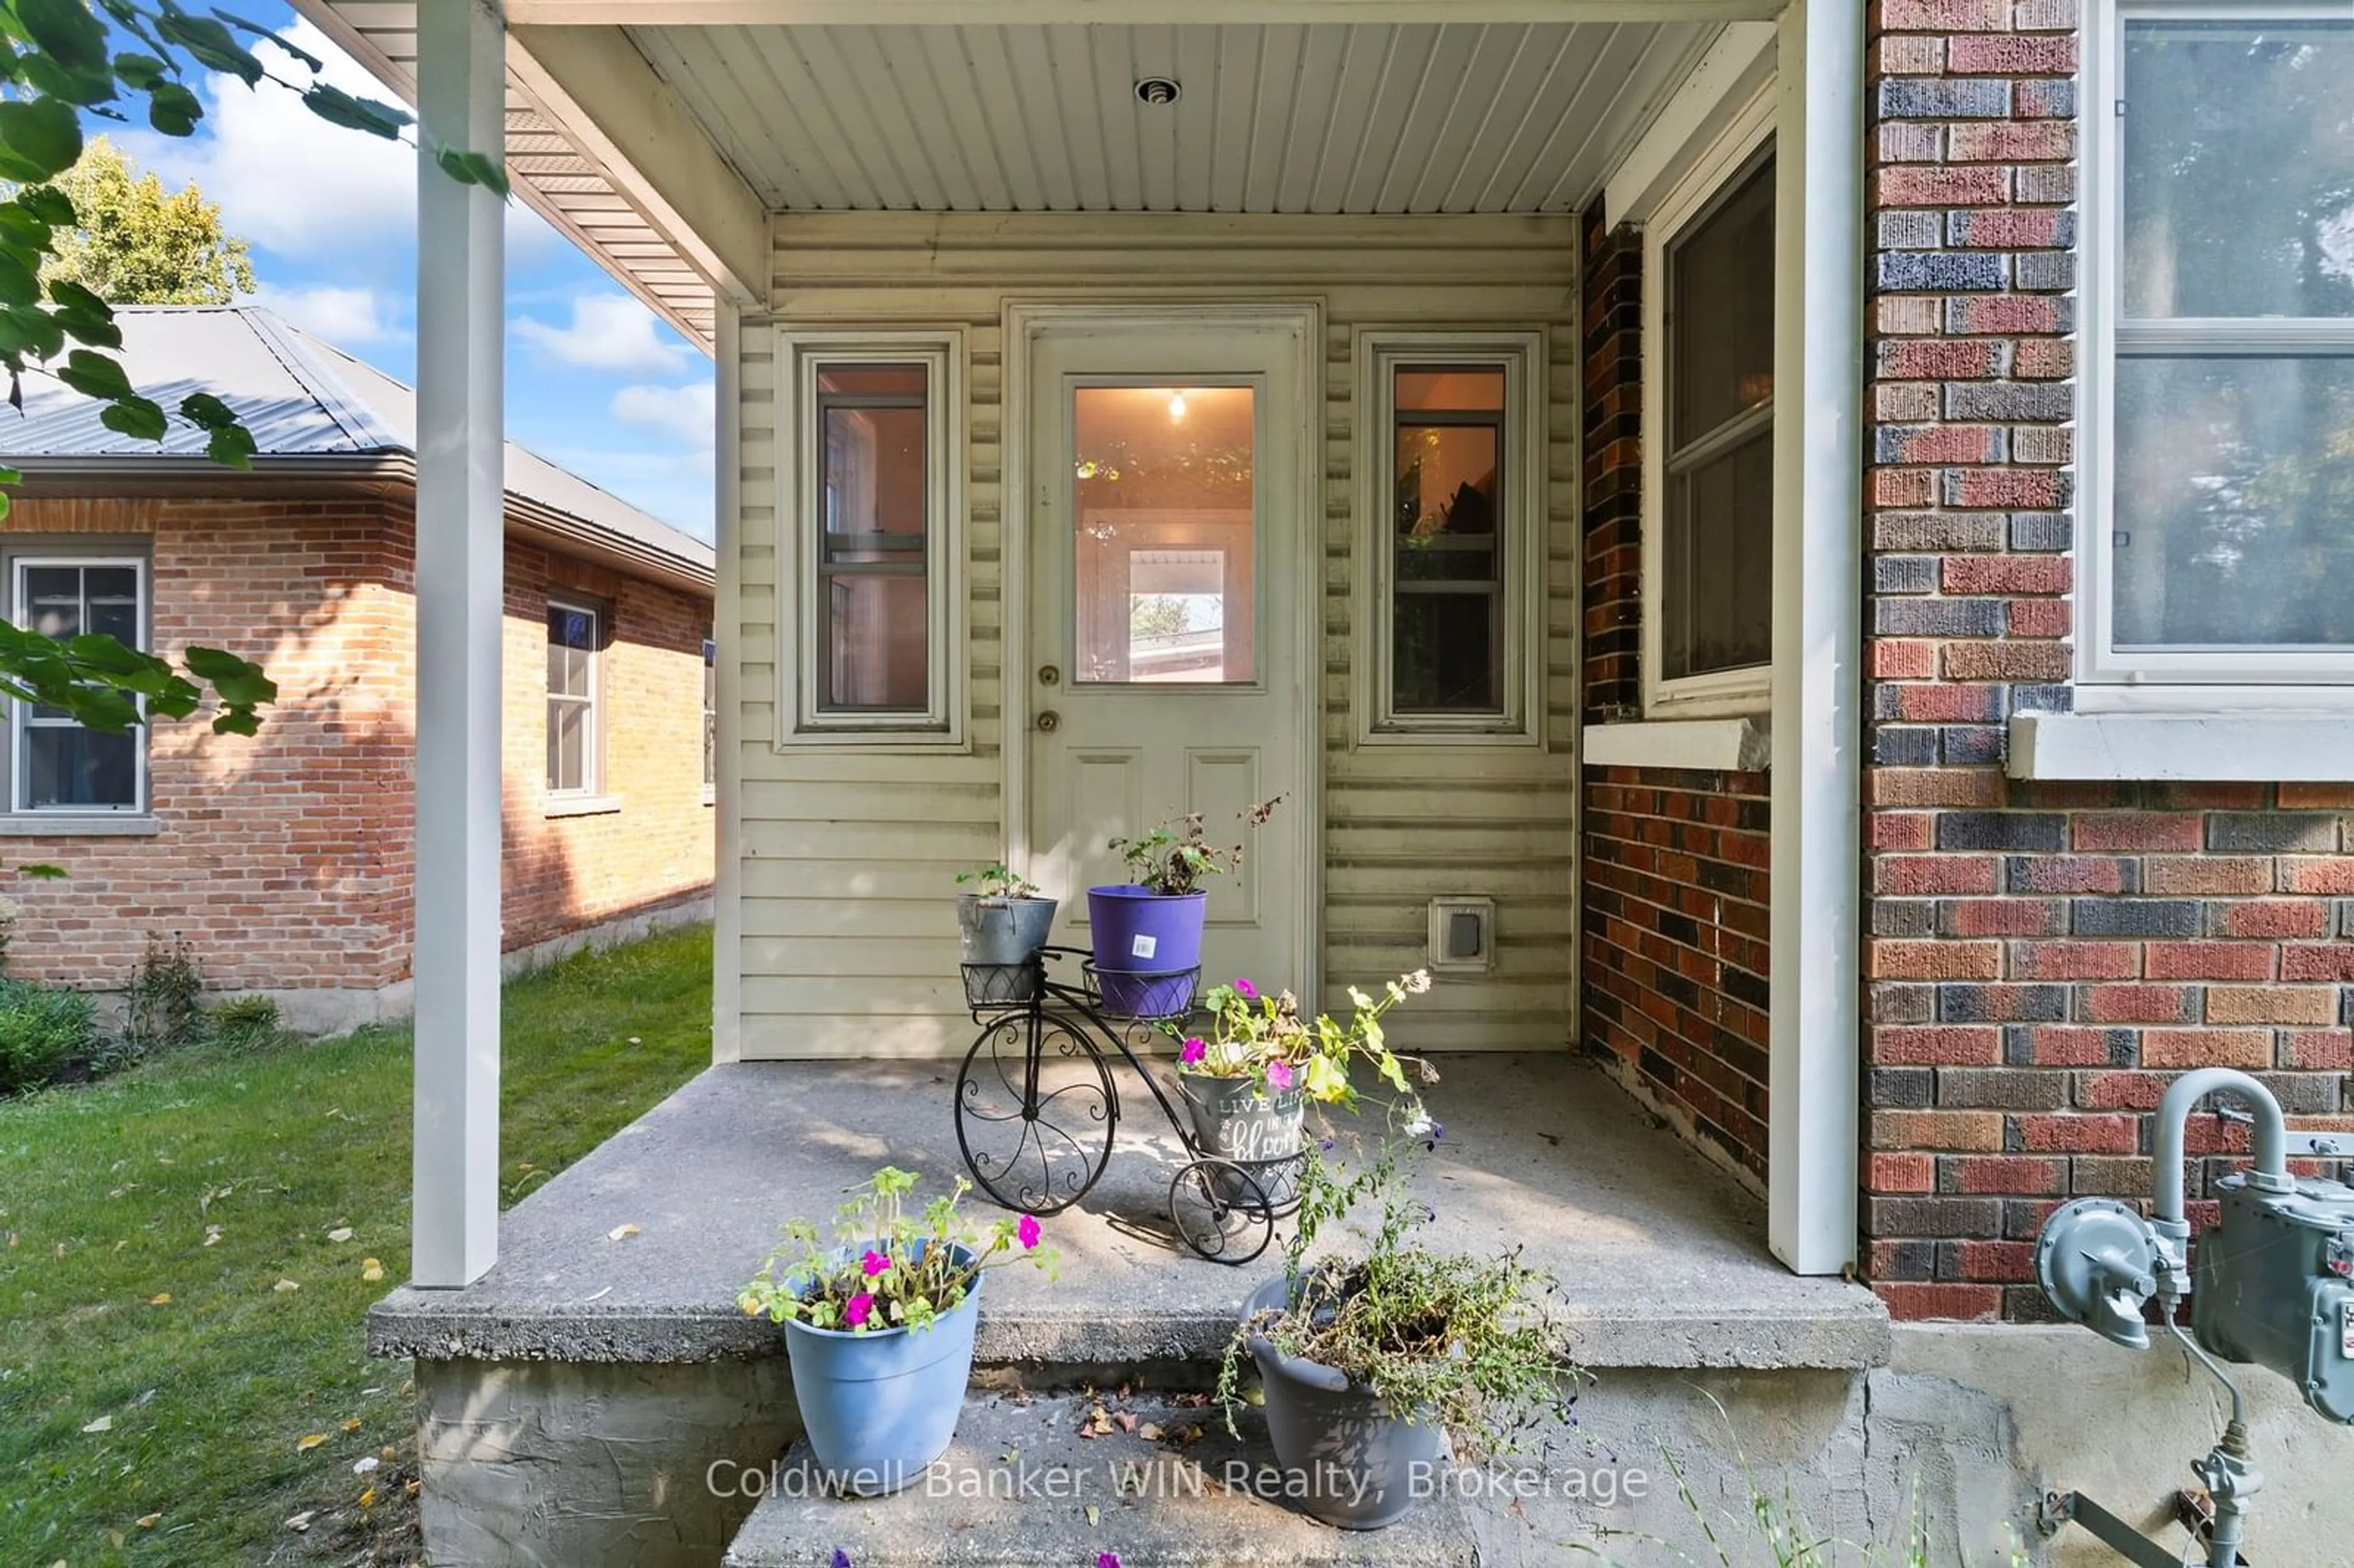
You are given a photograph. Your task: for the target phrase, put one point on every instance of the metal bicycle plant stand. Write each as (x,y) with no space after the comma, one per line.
(1037,1106)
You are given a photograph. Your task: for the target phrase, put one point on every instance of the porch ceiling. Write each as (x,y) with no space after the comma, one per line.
(1319,118)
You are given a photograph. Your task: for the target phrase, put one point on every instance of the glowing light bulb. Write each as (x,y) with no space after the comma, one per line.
(1176,408)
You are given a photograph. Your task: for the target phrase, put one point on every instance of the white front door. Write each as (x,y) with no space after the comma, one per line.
(1168,562)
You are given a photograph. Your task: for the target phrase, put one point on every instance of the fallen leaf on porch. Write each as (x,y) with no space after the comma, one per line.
(1127,1419)
(410,1489)
(1094,1515)
(309,1441)
(365,1464)
(371,1270)
(1097,1424)
(149,1520)
(103,1423)
(1149,1432)
(621,1233)
(340,1233)
(302,1521)
(1011,1455)
(287,1287)
(161,1298)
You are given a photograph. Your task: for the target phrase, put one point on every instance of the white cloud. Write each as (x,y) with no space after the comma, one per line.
(685,412)
(348,318)
(295,185)
(608,331)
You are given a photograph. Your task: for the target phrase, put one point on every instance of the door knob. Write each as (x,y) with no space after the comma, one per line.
(1049,720)
(1048,674)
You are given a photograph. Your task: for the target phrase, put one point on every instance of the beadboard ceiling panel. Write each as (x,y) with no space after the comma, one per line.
(1304,118)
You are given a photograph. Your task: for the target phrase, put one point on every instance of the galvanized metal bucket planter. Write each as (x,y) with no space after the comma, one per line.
(1348,1460)
(1236,1120)
(1000,936)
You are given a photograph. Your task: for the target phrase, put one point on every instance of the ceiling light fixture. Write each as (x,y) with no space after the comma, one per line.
(1176,408)
(1158,91)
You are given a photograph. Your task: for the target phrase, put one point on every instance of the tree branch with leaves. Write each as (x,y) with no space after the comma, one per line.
(58,64)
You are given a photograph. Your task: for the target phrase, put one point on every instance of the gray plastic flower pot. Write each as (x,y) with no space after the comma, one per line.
(1004,934)
(1349,1462)
(879,1407)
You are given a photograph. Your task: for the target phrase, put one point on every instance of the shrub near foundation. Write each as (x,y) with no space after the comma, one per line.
(42,1029)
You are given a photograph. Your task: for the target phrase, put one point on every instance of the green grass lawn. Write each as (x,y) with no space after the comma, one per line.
(178,1318)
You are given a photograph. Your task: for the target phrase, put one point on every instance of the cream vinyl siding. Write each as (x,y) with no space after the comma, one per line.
(848,942)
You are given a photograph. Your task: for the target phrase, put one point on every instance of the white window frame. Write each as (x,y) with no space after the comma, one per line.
(592,767)
(711,715)
(21,719)
(940,726)
(1379,353)
(2144,680)
(1714,166)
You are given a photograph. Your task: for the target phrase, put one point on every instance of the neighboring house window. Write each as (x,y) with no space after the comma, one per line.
(1708,424)
(879,629)
(58,765)
(1452,453)
(575,644)
(710,714)
(2218,542)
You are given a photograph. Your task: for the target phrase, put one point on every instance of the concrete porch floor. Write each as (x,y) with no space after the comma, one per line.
(1661,1255)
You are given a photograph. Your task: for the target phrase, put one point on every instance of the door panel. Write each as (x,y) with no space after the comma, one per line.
(1163,550)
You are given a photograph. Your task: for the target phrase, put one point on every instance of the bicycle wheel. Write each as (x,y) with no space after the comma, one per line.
(1221,1210)
(1035,1112)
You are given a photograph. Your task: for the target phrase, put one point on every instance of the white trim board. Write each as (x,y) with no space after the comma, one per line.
(2298,748)
(1727,77)
(1714,745)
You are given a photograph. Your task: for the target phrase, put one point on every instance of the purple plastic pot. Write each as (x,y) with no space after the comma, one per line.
(1138,932)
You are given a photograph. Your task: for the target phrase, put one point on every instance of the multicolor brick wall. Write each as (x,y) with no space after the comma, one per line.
(1672,879)
(284,859)
(2043,957)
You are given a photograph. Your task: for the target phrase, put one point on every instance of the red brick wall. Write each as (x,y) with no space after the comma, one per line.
(2043,958)
(1673,863)
(284,859)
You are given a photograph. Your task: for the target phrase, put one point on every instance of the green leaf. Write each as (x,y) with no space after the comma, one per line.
(240,681)
(235,721)
(204,409)
(231,446)
(39,138)
(211,45)
(174,110)
(337,107)
(142,73)
(48,204)
(267,37)
(44,338)
(19,284)
(95,376)
(474,169)
(82,87)
(109,657)
(10,476)
(65,29)
(79,301)
(139,417)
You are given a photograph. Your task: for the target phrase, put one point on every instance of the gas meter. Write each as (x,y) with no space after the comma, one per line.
(2274,1286)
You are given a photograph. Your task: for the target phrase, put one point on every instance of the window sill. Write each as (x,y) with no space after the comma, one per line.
(76,825)
(1715,746)
(582,805)
(2273,748)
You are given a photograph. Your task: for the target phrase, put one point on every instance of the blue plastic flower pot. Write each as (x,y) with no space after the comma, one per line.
(880,1407)
(1141,937)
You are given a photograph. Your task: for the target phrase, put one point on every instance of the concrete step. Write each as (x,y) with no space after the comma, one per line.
(1021,1488)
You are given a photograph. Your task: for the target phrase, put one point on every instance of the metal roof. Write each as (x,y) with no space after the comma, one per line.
(301,398)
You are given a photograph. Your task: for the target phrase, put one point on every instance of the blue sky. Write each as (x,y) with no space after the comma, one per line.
(596,381)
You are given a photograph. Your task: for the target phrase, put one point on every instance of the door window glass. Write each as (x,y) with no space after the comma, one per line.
(1164,508)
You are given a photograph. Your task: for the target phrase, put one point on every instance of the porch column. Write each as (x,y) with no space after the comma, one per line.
(460,387)
(1818,636)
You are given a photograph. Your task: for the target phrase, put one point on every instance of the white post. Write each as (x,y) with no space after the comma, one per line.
(727,626)
(461,466)
(1811,1171)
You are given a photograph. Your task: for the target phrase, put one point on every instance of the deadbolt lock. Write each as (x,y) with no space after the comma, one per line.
(1048,674)
(1050,721)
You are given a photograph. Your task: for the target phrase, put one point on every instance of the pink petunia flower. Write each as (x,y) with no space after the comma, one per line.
(1244,989)
(874,1263)
(1107,1560)
(858,1309)
(1279,1075)
(1027,1232)
(1194,1050)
